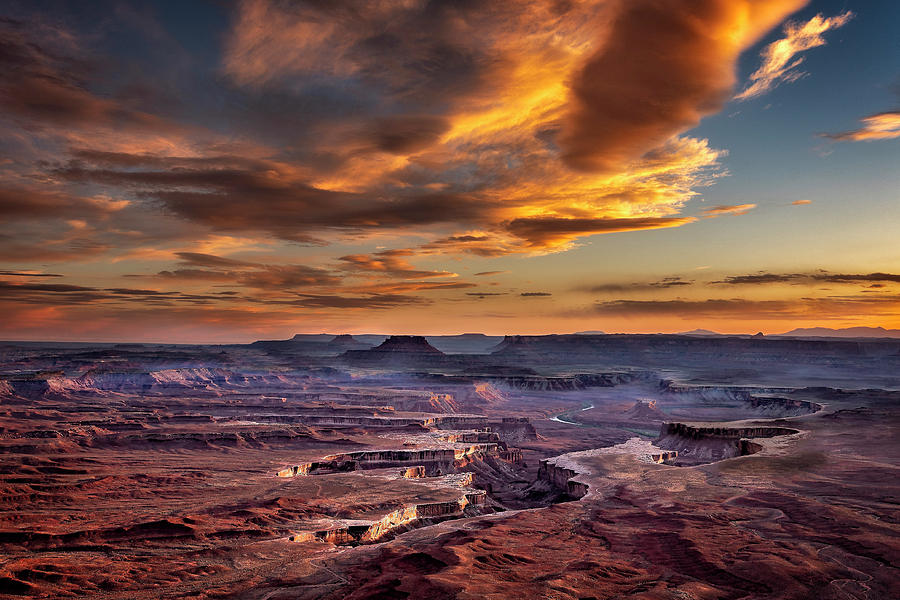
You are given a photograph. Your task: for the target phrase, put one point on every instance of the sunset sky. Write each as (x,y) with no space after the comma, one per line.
(216,171)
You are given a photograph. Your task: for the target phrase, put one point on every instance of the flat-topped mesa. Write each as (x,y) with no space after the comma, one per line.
(701,432)
(578,381)
(701,444)
(783,407)
(718,392)
(767,401)
(345,341)
(409,344)
(399,351)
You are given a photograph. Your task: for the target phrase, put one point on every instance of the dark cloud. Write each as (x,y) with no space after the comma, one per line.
(818,276)
(758,278)
(36,203)
(666,282)
(480,245)
(405,134)
(410,286)
(195,274)
(535,294)
(488,273)
(417,53)
(546,231)
(25,274)
(65,294)
(46,82)
(209,260)
(37,250)
(662,68)
(390,263)
(249,274)
(851,278)
(282,205)
(286,277)
(374,301)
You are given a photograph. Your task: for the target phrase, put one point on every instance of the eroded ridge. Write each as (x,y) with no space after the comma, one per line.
(567,471)
(435,461)
(437,451)
(719,402)
(348,532)
(436,458)
(706,443)
(130,473)
(679,444)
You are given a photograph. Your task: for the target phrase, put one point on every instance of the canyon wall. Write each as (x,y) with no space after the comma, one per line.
(405,517)
(700,444)
(561,478)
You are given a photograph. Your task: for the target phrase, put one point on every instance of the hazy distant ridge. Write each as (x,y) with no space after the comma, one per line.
(848,332)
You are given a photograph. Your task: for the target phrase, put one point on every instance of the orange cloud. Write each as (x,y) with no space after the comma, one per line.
(552,231)
(801,202)
(881,126)
(727,210)
(779,64)
(390,263)
(482,129)
(621,78)
(662,68)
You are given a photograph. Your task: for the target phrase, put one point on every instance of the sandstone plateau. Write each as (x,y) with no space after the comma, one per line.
(353,467)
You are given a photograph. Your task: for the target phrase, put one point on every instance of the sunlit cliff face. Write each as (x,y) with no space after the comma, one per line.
(400,165)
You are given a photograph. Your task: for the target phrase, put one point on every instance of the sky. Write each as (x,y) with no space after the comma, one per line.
(215,171)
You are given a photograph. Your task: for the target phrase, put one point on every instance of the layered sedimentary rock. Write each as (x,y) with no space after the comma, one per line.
(434,461)
(697,444)
(416,472)
(562,472)
(645,411)
(344,342)
(362,532)
(398,350)
(165,381)
(562,478)
(513,429)
(564,383)
(124,494)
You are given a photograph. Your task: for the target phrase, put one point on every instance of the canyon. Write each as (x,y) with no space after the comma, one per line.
(575,467)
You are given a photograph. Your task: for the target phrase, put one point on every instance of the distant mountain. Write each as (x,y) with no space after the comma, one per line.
(406,344)
(702,332)
(849,332)
(466,343)
(313,337)
(347,342)
(323,338)
(591,332)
